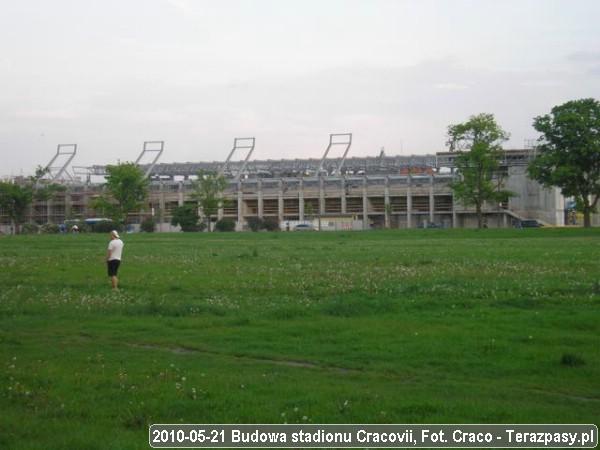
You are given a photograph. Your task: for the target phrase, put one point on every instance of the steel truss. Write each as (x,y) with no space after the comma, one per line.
(55,172)
(339,139)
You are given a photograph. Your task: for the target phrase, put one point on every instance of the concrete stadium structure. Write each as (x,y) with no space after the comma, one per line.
(333,193)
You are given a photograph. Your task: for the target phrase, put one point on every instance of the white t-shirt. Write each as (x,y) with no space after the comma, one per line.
(116,249)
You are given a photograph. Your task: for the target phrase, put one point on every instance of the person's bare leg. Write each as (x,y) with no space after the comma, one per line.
(115,283)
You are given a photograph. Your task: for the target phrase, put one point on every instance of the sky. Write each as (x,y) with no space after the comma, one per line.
(111,74)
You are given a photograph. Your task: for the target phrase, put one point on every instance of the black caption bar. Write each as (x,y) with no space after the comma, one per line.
(375,436)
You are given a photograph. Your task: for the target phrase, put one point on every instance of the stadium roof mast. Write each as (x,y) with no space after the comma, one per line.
(239,144)
(159,146)
(54,172)
(336,139)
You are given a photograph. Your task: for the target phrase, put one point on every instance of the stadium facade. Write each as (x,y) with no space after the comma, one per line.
(332,193)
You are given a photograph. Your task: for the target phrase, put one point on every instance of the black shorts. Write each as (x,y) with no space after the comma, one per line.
(113,267)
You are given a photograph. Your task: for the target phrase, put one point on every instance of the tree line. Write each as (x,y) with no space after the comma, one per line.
(567,157)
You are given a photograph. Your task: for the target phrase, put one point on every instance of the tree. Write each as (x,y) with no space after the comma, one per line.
(208,190)
(568,153)
(44,190)
(479,145)
(186,217)
(309,211)
(15,200)
(127,189)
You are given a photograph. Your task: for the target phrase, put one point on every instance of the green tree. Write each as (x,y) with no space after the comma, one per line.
(309,211)
(208,192)
(186,216)
(126,190)
(568,153)
(15,200)
(478,143)
(44,190)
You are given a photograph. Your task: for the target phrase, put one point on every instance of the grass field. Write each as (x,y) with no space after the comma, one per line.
(418,326)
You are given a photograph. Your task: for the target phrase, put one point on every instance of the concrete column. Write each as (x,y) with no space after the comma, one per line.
(280,202)
(321,196)
(559,205)
(431,198)
(240,207)
(161,204)
(260,200)
(365,205)
(386,202)
(343,195)
(180,194)
(301,201)
(409,203)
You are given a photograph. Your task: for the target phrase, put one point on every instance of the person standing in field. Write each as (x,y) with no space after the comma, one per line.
(113,258)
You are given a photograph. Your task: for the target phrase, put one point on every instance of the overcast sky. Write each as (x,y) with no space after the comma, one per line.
(110,74)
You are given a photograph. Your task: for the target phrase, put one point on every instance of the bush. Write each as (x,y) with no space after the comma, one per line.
(254,223)
(186,217)
(225,225)
(271,224)
(104,226)
(148,225)
(49,228)
(30,228)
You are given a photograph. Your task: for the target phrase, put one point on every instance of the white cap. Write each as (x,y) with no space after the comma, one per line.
(115,234)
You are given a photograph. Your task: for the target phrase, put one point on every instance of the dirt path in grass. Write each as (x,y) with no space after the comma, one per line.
(281,362)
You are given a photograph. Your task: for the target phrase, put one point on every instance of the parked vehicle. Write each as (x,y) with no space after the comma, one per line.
(304,227)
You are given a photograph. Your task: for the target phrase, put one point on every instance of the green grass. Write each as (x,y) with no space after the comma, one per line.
(419,326)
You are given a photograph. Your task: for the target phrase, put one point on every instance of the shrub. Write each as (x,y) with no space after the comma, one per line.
(148,225)
(186,217)
(271,224)
(254,223)
(30,228)
(105,226)
(225,225)
(49,228)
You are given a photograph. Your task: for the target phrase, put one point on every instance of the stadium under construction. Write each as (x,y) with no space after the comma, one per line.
(333,193)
